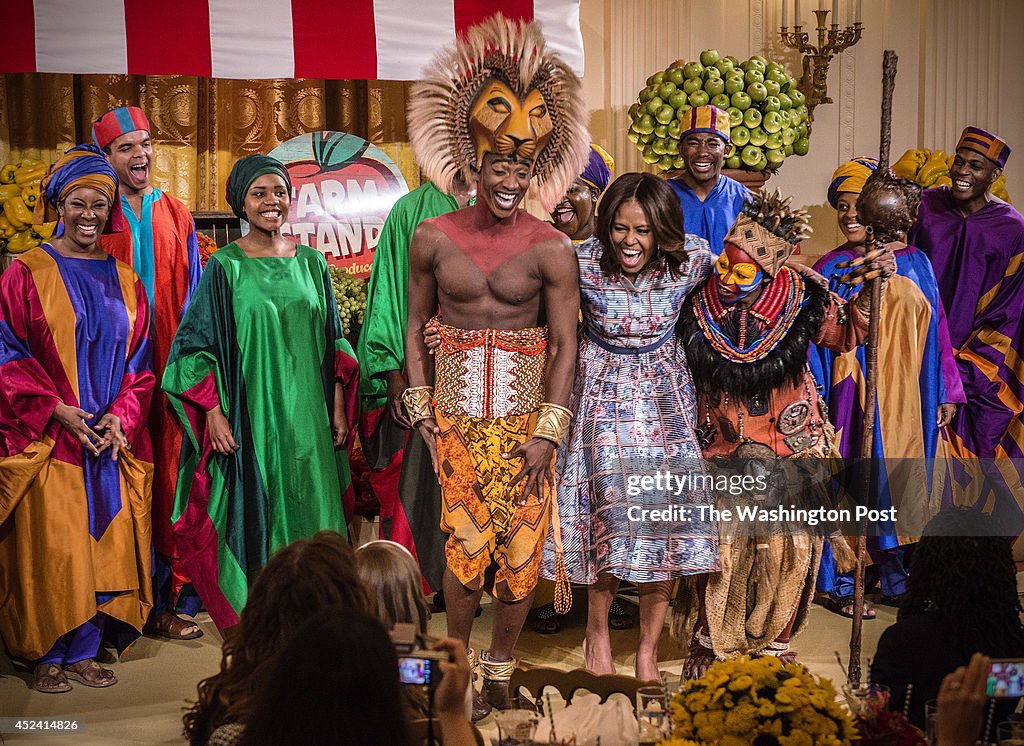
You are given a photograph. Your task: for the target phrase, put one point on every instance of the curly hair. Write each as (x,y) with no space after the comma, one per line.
(964,570)
(298,581)
(660,205)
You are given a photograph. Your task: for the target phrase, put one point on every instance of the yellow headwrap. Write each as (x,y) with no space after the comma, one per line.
(850,177)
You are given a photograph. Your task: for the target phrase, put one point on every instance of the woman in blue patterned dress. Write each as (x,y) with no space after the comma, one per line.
(635,412)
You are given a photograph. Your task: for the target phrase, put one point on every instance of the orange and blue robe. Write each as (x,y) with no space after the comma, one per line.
(75,528)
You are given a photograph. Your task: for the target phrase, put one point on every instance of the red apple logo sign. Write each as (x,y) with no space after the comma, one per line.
(342,190)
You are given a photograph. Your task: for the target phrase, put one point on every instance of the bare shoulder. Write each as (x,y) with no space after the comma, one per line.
(556,255)
(426,238)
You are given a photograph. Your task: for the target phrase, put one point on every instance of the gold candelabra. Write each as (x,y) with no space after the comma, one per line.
(832,40)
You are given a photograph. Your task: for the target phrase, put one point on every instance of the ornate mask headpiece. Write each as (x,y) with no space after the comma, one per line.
(499,91)
(768,229)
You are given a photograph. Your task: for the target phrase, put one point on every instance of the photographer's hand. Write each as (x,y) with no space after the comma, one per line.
(450,696)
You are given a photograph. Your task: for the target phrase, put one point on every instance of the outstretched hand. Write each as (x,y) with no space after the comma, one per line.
(537,470)
(961,704)
(878,262)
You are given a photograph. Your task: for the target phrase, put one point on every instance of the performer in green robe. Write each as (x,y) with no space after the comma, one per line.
(401,474)
(260,374)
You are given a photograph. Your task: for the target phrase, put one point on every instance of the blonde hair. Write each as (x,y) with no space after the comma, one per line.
(392,576)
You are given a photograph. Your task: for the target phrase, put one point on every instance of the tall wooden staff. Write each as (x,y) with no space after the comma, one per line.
(871,375)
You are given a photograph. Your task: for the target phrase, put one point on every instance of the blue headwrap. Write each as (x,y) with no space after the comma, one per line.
(80,166)
(599,169)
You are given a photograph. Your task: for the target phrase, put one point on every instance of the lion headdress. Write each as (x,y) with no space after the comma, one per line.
(498,90)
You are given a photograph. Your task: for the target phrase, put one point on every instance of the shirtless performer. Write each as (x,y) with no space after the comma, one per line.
(498,275)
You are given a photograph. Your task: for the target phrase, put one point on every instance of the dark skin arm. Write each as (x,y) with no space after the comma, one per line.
(560,272)
(419,364)
(396,387)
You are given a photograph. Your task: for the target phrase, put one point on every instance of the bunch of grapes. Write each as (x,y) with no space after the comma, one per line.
(350,293)
(767,113)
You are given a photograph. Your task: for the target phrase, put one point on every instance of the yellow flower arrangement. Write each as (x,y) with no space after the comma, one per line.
(759,701)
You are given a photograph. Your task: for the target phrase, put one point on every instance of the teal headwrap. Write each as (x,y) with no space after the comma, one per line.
(245,172)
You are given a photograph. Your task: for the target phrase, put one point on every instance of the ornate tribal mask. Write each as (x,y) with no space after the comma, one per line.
(768,230)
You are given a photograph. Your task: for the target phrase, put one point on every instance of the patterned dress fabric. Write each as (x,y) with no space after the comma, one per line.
(635,411)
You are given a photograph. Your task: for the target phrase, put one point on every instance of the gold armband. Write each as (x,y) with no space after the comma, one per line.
(552,422)
(418,402)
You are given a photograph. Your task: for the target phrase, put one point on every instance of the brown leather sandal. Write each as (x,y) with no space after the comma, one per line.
(49,678)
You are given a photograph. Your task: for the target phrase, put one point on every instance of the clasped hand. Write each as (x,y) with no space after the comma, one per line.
(74,419)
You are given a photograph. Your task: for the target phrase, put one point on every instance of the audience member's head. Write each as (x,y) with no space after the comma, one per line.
(335,682)
(392,578)
(963,569)
(300,580)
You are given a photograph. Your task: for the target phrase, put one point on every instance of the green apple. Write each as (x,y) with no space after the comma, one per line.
(724,65)
(665,163)
(795,116)
(634,112)
(773,69)
(797,95)
(751,117)
(645,125)
(750,155)
(774,156)
(771,85)
(771,103)
(801,146)
(661,130)
(788,150)
(656,78)
(757,91)
(666,89)
(692,85)
(753,64)
(709,57)
(740,136)
(684,112)
(801,130)
(678,163)
(753,76)
(734,162)
(762,164)
(699,98)
(774,141)
(735,116)
(771,121)
(693,69)
(647,139)
(647,94)
(787,120)
(675,75)
(661,145)
(678,98)
(740,100)
(666,114)
(633,136)
(758,136)
(760,59)
(654,104)
(650,156)
(788,135)
(734,84)
(714,86)
(721,101)
(735,62)
(675,129)
(785,102)
(711,72)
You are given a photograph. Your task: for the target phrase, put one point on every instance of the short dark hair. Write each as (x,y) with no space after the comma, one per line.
(661,206)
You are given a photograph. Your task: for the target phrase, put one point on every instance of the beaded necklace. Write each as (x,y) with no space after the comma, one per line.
(777,308)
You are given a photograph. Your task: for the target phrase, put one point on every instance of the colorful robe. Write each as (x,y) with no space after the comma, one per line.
(916,373)
(74,528)
(401,476)
(977,261)
(161,247)
(712,218)
(261,339)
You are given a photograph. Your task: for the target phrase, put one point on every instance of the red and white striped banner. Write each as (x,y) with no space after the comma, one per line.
(339,39)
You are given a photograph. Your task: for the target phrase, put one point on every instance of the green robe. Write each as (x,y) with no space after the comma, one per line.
(262,338)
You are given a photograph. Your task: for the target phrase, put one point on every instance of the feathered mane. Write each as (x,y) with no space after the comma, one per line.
(514,52)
